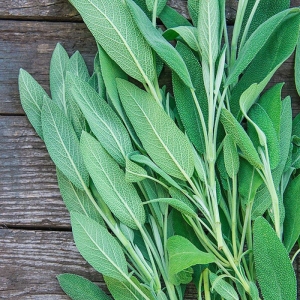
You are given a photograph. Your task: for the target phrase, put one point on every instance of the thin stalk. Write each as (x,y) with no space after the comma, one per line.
(154,13)
(246,221)
(295,255)
(206,284)
(234,217)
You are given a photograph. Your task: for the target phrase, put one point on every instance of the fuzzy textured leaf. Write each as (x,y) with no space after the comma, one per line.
(150,122)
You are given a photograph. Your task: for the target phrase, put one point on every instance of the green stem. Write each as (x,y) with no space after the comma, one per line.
(234,217)
(206,284)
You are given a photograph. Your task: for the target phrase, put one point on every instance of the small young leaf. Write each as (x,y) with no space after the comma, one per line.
(183,254)
(120,196)
(172,18)
(77,66)
(275,273)
(222,287)
(121,39)
(165,50)
(240,137)
(291,225)
(187,33)
(75,199)
(103,121)
(150,122)
(98,247)
(58,66)
(80,288)
(62,144)
(231,156)
(32,96)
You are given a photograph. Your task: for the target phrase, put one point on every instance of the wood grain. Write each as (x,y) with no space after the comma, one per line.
(29,195)
(31,260)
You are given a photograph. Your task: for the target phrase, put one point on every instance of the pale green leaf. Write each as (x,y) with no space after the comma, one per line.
(155,39)
(119,195)
(156,5)
(113,28)
(98,247)
(75,199)
(77,66)
(222,287)
(62,144)
(187,33)
(193,8)
(291,225)
(58,66)
(80,288)
(122,290)
(171,18)
(101,89)
(134,172)
(231,156)
(297,67)
(183,254)
(150,122)
(274,270)
(208,29)
(103,121)
(32,97)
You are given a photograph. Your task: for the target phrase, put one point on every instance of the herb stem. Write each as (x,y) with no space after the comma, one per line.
(234,217)
(206,284)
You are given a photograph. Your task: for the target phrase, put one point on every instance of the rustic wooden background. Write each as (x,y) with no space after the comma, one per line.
(35,235)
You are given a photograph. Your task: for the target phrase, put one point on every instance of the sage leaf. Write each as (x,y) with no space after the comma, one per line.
(274,270)
(101,88)
(262,202)
(208,29)
(75,199)
(277,49)
(193,8)
(222,287)
(62,144)
(164,50)
(231,156)
(80,288)
(77,66)
(253,45)
(121,290)
(32,97)
(102,120)
(240,137)
(150,122)
(134,172)
(291,225)
(58,66)
(183,254)
(187,33)
(121,39)
(172,18)
(297,67)
(120,196)
(185,103)
(156,5)
(98,247)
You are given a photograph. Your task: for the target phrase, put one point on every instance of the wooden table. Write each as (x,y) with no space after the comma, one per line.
(35,235)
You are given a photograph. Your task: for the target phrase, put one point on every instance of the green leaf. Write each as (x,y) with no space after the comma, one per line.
(187,33)
(102,120)
(222,287)
(253,45)
(121,290)
(208,29)
(62,144)
(172,18)
(262,202)
(240,137)
(185,103)
(160,4)
(58,66)
(275,273)
(112,26)
(98,247)
(291,225)
(75,199)
(231,156)
(193,8)
(80,288)
(119,195)
(32,96)
(297,67)
(277,49)
(150,122)
(183,207)
(134,172)
(101,89)
(164,49)
(77,66)
(183,254)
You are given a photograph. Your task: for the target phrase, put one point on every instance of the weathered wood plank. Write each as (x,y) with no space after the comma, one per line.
(29,45)
(29,195)
(31,260)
